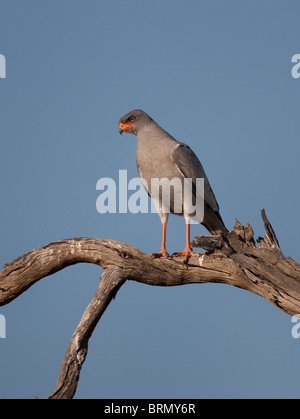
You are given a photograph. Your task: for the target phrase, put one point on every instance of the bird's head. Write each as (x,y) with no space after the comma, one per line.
(133,121)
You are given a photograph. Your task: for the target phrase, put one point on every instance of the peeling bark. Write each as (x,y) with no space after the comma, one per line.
(235,260)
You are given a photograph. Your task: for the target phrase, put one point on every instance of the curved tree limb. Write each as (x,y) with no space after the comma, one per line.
(235,260)
(110,282)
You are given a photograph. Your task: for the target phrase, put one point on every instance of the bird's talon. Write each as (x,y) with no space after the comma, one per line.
(186,253)
(159,255)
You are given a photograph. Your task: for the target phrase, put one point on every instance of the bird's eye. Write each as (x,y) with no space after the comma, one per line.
(132,118)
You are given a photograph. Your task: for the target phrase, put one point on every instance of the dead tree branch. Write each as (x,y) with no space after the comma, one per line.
(235,260)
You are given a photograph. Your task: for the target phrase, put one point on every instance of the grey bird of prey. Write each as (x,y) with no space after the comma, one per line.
(160,156)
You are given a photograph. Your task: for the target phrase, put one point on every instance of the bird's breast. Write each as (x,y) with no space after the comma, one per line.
(160,177)
(155,163)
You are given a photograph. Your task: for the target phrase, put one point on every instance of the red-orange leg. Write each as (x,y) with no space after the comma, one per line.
(187,252)
(163,251)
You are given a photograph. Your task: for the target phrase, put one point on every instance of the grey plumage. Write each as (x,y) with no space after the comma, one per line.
(159,155)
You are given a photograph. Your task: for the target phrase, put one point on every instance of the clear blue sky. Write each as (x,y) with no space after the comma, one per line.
(216,75)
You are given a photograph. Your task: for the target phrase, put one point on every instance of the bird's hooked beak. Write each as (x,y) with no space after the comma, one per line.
(124,127)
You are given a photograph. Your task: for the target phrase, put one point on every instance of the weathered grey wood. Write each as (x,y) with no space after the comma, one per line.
(235,260)
(110,282)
